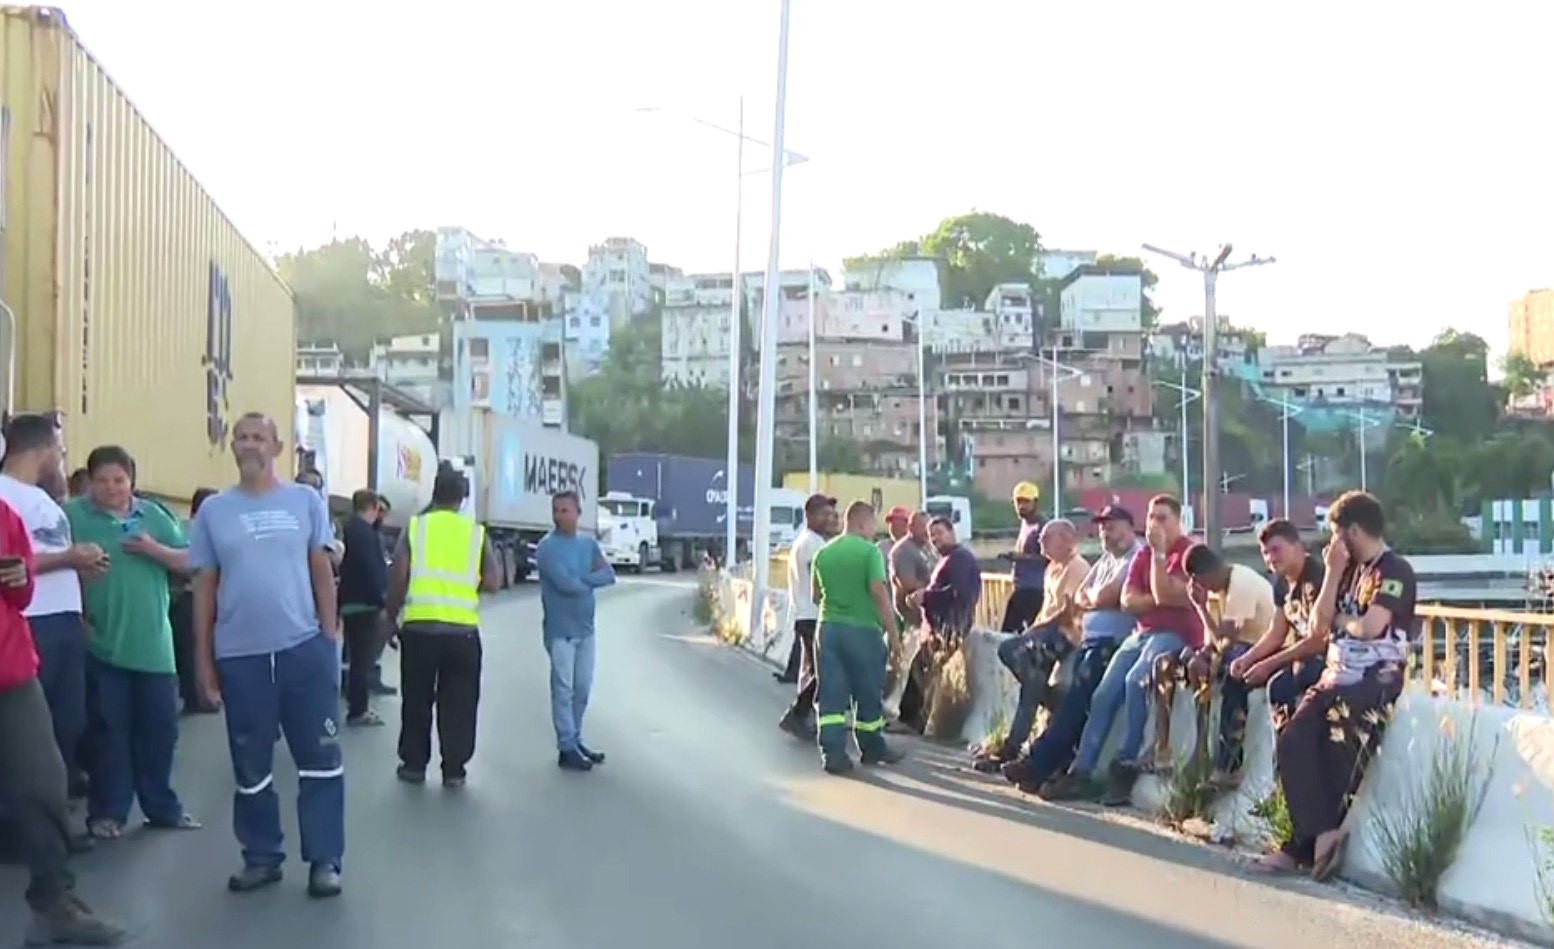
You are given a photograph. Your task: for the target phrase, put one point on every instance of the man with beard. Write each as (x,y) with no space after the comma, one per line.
(1030,567)
(949,602)
(1287,668)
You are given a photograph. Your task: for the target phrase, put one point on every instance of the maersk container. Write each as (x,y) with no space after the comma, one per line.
(138,310)
(690,494)
(522,463)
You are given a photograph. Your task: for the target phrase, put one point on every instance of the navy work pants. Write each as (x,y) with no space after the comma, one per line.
(296,694)
(852,678)
(61,642)
(134,728)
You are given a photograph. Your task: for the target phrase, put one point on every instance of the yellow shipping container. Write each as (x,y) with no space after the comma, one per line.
(883,493)
(140,313)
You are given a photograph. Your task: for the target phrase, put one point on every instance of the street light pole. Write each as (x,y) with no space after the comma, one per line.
(766,392)
(922,414)
(1287,411)
(1211,269)
(814,414)
(1185,396)
(1057,443)
(1363,423)
(735,335)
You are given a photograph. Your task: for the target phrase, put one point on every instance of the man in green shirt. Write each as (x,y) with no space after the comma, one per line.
(131,672)
(848,583)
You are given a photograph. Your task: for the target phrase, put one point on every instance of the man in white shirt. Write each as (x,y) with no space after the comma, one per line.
(819,514)
(1237,611)
(34,456)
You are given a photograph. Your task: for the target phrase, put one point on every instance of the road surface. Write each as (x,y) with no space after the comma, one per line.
(707,829)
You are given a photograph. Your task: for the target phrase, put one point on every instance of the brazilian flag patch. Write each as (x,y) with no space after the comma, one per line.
(1392,588)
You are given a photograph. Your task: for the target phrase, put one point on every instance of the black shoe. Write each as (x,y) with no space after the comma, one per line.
(1016,771)
(796,725)
(384,691)
(1120,779)
(69,922)
(888,756)
(784,678)
(323,881)
(1069,787)
(841,766)
(573,761)
(411,775)
(249,879)
(597,757)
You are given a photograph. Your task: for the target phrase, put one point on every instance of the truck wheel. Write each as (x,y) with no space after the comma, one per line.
(642,555)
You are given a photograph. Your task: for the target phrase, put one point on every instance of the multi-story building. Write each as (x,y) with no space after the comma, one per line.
(1101,299)
(618,269)
(1014,311)
(412,363)
(586,333)
(481,279)
(319,359)
(1178,344)
(1532,327)
(696,329)
(867,393)
(961,331)
(1331,377)
(916,277)
(1057,264)
(878,315)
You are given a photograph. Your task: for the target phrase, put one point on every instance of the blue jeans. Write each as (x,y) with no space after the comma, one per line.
(571,681)
(1126,685)
(1052,751)
(295,693)
(134,722)
(61,642)
(1030,656)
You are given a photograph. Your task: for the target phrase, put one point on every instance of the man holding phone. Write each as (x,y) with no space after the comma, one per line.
(31,769)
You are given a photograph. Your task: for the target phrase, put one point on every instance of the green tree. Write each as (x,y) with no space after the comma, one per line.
(1522,375)
(352,295)
(1458,400)
(978,251)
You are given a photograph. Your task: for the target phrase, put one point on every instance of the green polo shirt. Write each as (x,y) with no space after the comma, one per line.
(126,609)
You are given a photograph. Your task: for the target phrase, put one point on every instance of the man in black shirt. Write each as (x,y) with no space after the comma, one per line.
(1288,659)
(1367,607)
(363,591)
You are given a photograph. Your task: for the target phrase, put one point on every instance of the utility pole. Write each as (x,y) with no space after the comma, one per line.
(1211,268)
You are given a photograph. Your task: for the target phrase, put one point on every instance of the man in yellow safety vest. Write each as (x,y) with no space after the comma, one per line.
(442,563)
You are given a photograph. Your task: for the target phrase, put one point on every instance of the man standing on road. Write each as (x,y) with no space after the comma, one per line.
(911,564)
(818,511)
(1030,567)
(32,773)
(442,563)
(264,615)
(35,455)
(363,595)
(897,520)
(571,568)
(855,611)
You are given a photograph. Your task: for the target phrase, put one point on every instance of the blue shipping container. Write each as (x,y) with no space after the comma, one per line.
(691,494)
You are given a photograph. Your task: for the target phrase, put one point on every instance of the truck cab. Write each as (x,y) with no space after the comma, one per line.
(957,509)
(628,531)
(787,517)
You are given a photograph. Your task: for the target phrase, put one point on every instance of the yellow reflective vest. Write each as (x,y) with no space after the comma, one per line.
(445,549)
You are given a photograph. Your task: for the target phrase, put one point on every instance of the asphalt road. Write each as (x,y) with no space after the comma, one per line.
(707,829)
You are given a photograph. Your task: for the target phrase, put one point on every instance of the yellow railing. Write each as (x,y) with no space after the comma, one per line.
(1456,650)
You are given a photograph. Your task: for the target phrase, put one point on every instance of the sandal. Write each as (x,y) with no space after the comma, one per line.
(182,822)
(367,719)
(104,829)
(1328,862)
(1277,863)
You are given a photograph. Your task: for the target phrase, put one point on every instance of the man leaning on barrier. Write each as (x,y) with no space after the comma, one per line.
(1368,597)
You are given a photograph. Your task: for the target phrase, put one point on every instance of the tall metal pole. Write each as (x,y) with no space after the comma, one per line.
(735,335)
(1057,475)
(1183,400)
(1212,488)
(814,413)
(766,392)
(922,415)
(1363,485)
(1285,464)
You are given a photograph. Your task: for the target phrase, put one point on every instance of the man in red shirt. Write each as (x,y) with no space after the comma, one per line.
(32,773)
(1158,593)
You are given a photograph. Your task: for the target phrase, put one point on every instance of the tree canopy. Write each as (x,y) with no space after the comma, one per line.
(354,295)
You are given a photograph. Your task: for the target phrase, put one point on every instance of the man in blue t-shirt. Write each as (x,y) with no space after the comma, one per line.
(266,644)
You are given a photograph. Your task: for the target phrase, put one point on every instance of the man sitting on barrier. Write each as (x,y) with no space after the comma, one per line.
(1237,613)
(1368,594)
(1104,624)
(1289,656)
(1032,655)
(1156,591)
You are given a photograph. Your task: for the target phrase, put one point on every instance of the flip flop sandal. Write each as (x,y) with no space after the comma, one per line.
(104,829)
(184,822)
(1263,866)
(1327,864)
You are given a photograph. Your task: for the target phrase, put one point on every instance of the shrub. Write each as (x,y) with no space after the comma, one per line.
(1542,842)
(1418,834)
(1190,794)
(706,609)
(997,727)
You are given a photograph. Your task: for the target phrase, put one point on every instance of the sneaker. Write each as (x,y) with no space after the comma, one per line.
(249,879)
(573,761)
(368,719)
(1016,771)
(796,725)
(454,781)
(323,881)
(1120,779)
(71,922)
(597,757)
(410,775)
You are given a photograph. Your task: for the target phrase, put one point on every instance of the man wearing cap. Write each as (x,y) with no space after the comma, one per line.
(819,511)
(1030,567)
(1103,624)
(896,528)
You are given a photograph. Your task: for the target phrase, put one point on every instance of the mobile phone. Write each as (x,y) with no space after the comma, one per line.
(10,563)
(130,527)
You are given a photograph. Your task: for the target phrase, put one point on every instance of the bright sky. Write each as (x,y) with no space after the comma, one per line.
(1395,157)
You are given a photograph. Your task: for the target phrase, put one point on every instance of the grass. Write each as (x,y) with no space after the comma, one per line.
(1189,793)
(1542,842)
(1417,836)
(1274,811)
(711,611)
